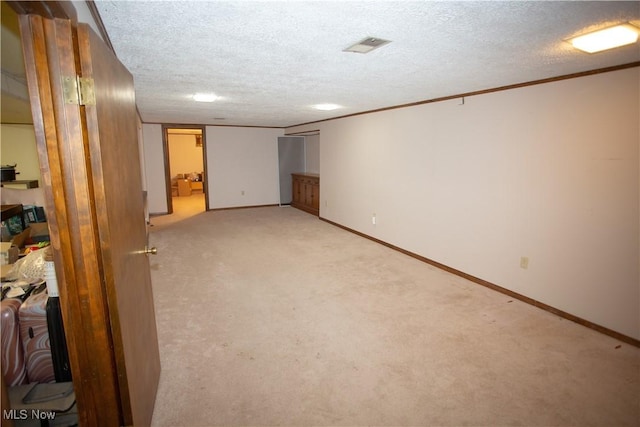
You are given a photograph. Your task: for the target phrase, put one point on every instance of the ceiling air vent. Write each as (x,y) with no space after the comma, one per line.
(366,45)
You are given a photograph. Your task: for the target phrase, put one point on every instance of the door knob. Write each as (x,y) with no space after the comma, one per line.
(152,251)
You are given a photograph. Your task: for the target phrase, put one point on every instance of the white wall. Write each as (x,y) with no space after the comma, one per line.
(154,168)
(550,172)
(242,160)
(84,15)
(312,153)
(18,146)
(238,159)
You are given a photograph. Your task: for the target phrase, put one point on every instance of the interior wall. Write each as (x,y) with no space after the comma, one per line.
(184,156)
(312,153)
(239,160)
(84,15)
(549,172)
(154,168)
(18,146)
(242,164)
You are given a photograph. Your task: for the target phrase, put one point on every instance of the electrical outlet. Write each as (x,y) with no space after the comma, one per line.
(373,219)
(242,192)
(524,262)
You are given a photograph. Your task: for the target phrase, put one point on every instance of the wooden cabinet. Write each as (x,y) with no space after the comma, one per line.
(306,192)
(184,187)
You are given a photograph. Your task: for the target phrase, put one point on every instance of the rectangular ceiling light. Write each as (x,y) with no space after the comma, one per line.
(366,45)
(597,41)
(326,107)
(204,97)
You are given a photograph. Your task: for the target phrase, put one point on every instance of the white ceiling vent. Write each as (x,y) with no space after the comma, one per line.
(366,45)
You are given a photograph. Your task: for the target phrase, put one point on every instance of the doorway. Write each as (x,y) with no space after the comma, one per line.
(291,159)
(297,153)
(186,169)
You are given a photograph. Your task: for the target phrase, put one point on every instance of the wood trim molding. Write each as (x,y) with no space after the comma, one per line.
(482,92)
(205,169)
(221,126)
(180,126)
(46,9)
(233,208)
(311,132)
(617,335)
(167,169)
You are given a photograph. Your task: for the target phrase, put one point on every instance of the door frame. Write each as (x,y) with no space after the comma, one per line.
(73,228)
(167,163)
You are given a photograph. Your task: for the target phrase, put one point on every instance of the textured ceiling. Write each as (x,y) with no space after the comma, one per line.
(270,61)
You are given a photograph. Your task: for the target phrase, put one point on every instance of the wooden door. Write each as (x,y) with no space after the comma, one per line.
(117,182)
(91,174)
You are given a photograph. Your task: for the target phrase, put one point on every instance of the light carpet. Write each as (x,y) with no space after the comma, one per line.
(269,316)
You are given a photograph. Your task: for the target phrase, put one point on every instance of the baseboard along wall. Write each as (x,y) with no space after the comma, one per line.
(523,298)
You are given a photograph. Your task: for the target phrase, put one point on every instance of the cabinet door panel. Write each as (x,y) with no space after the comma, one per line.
(296,190)
(315,197)
(306,193)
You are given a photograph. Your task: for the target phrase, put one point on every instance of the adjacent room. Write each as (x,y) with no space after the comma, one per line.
(185,149)
(356,213)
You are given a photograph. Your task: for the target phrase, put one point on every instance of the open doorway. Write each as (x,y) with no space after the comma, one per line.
(291,159)
(185,165)
(299,169)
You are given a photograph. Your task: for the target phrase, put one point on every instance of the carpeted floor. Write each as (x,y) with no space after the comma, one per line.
(269,316)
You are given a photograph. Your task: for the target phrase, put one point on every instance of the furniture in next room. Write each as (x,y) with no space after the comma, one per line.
(184,184)
(184,187)
(305,193)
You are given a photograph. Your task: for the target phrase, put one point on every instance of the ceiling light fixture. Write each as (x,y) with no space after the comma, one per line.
(204,97)
(326,107)
(367,45)
(608,38)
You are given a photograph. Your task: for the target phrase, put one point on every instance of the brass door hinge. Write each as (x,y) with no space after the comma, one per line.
(78,90)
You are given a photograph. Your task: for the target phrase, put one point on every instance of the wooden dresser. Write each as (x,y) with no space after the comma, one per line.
(305,193)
